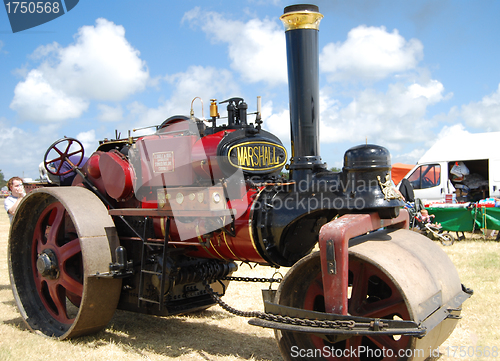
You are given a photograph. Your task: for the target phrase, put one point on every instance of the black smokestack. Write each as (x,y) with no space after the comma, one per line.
(302,26)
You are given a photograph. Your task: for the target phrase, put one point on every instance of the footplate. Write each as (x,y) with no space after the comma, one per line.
(299,320)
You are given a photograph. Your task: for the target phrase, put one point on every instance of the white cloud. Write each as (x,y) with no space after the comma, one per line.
(390,118)
(109,113)
(36,99)
(205,82)
(101,64)
(395,118)
(484,114)
(277,123)
(89,141)
(256,48)
(196,81)
(412,156)
(22,150)
(456,131)
(370,53)
(431,92)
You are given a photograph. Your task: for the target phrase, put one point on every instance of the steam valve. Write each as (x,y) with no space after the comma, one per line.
(236,111)
(214,111)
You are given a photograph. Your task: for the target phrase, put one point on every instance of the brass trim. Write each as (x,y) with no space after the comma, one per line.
(162,229)
(252,209)
(215,249)
(301,20)
(203,244)
(162,226)
(229,248)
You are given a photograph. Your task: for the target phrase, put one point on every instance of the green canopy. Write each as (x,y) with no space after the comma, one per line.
(463,219)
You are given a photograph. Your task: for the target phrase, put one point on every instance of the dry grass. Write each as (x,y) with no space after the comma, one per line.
(216,335)
(478,263)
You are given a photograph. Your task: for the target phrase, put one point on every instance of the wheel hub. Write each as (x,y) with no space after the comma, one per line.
(47,264)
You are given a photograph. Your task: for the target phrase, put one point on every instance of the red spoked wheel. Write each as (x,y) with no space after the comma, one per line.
(57,252)
(58,271)
(372,294)
(60,152)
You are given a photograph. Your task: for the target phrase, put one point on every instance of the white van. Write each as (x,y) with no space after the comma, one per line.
(432,178)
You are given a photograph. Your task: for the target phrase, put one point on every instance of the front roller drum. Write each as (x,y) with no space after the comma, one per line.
(399,275)
(59,240)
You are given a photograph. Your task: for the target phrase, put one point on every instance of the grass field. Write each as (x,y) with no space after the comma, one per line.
(216,335)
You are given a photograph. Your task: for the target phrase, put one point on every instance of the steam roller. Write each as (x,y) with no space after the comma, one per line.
(158,223)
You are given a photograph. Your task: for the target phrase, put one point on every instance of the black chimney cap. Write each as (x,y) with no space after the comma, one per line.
(301,7)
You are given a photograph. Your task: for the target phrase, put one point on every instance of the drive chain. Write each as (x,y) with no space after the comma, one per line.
(349,324)
(252,279)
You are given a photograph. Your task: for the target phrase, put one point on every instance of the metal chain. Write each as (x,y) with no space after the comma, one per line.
(278,318)
(252,279)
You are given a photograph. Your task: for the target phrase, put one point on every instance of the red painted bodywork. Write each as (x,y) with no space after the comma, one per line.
(242,246)
(173,161)
(117,175)
(165,160)
(93,165)
(220,244)
(204,155)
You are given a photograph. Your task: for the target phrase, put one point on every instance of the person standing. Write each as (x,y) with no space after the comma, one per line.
(17,193)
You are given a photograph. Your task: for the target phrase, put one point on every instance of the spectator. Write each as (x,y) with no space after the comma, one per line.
(428,218)
(406,190)
(17,193)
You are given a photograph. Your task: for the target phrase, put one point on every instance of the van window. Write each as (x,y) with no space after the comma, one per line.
(426,176)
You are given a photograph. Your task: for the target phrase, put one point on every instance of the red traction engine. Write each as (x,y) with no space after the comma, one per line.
(157,224)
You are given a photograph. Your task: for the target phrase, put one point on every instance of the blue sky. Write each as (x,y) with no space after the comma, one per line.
(396,73)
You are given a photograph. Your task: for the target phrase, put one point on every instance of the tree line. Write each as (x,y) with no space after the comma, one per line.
(3,182)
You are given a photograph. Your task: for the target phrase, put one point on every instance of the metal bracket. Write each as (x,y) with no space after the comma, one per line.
(449,310)
(330,258)
(119,269)
(362,325)
(334,252)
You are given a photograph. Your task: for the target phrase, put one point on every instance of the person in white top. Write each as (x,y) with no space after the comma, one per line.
(17,193)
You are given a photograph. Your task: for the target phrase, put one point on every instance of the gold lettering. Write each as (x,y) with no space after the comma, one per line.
(255,156)
(250,156)
(247,155)
(262,160)
(241,155)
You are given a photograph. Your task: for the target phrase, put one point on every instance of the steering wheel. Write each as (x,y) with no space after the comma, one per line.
(63,156)
(427,183)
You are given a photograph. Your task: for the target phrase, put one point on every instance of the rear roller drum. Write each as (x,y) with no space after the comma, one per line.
(385,280)
(60,239)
